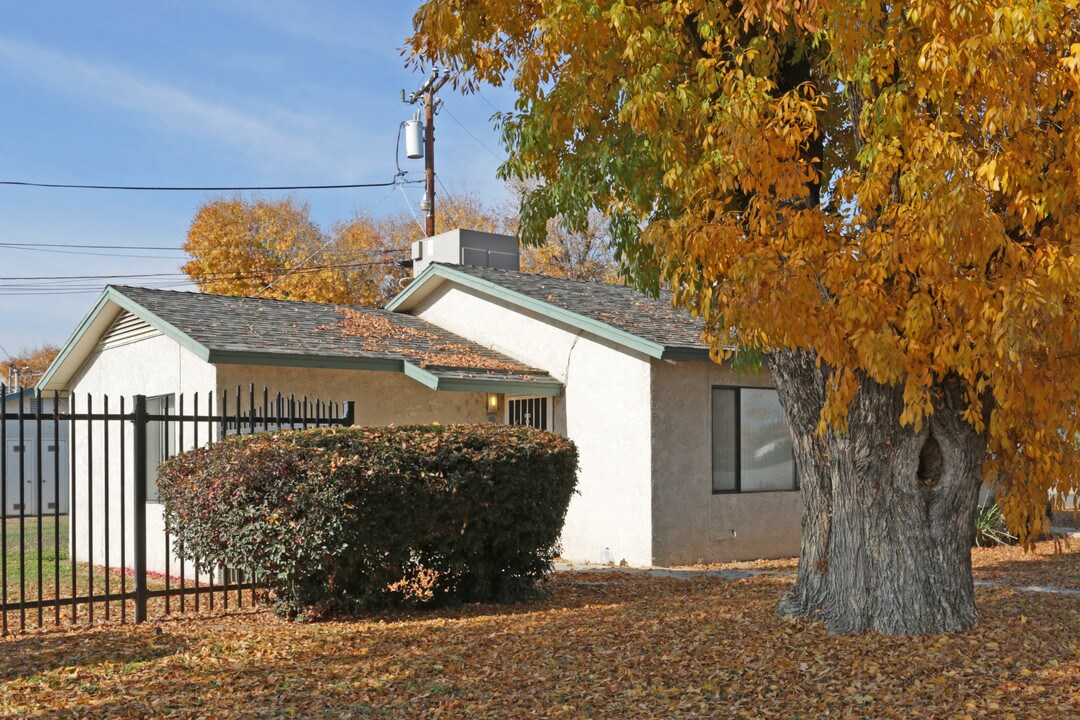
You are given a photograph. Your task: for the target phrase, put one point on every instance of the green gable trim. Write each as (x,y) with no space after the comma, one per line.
(495,385)
(69,346)
(481,385)
(111,296)
(548,310)
(170,331)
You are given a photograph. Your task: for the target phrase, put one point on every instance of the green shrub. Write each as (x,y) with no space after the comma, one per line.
(340,519)
(990,527)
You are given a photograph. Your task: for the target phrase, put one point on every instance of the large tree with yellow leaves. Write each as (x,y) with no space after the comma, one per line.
(881,199)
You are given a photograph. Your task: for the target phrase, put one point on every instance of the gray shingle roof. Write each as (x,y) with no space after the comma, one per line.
(228,324)
(621,307)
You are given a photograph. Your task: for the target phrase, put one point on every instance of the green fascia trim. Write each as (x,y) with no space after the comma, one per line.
(492,385)
(421,375)
(480,385)
(113,296)
(600,329)
(685,353)
(69,346)
(326,362)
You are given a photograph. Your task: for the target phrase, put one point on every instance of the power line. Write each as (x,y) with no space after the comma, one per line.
(92,247)
(469,132)
(19,183)
(99,254)
(224,274)
(484,98)
(36,290)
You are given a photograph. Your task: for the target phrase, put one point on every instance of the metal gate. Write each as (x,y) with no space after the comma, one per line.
(82,536)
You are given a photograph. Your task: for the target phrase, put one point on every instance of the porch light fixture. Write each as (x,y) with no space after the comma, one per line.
(493,403)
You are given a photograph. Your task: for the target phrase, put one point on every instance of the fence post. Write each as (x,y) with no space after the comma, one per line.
(139,500)
(348,409)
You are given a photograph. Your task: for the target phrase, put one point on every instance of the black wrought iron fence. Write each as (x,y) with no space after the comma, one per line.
(81,534)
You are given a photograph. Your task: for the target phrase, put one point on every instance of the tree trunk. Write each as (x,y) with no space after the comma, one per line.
(889,512)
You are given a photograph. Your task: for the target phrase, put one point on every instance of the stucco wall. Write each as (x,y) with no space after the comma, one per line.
(690,523)
(381,398)
(159,366)
(604,409)
(151,366)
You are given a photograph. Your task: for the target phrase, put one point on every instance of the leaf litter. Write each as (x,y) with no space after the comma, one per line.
(601,645)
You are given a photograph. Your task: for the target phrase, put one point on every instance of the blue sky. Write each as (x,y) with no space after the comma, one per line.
(207,93)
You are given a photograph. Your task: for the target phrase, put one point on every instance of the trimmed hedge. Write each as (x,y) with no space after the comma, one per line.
(342,519)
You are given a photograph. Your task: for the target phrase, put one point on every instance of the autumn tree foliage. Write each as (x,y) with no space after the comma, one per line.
(31,364)
(272,248)
(879,198)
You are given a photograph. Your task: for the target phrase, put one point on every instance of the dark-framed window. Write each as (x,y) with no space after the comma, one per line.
(751,442)
(160,440)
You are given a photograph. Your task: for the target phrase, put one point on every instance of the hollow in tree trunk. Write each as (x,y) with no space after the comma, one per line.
(889,512)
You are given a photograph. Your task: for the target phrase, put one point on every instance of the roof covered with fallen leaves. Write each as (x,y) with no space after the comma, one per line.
(241,325)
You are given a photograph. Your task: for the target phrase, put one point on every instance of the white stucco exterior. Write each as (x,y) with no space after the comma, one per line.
(605,410)
(642,427)
(152,365)
(156,365)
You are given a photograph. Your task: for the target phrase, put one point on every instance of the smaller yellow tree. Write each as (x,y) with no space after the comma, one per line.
(241,247)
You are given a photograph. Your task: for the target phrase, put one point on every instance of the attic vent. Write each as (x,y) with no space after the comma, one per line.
(127,329)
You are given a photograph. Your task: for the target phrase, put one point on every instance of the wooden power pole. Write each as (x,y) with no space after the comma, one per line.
(426,93)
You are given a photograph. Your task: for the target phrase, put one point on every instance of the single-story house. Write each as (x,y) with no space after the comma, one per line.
(682,460)
(30,483)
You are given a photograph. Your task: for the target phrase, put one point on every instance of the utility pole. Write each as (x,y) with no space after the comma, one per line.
(426,93)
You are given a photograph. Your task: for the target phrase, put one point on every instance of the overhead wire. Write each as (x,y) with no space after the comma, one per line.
(183,188)
(317,250)
(134,276)
(484,98)
(470,134)
(173,279)
(412,212)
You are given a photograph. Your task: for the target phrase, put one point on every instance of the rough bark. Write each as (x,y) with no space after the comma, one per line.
(889,512)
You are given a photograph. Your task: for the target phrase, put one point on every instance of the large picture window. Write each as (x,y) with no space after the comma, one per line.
(751,443)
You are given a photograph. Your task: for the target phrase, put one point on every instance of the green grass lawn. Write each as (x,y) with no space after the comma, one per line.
(54,557)
(24,554)
(21,559)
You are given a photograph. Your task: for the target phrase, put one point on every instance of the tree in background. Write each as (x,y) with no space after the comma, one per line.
(878,198)
(577,247)
(31,364)
(273,249)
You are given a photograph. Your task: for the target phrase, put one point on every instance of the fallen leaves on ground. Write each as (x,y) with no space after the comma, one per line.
(603,645)
(1051,563)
